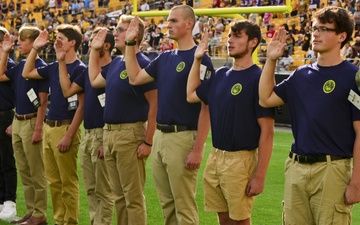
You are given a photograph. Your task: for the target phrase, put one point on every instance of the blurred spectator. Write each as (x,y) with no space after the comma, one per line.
(52,4)
(156,38)
(74,8)
(100,3)
(216,3)
(267,18)
(18,6)
(357,16)
(92,6)
(196,32)
(59,4)
(50,54)
(271,31)
(161,5)
(353,56)
(127,8)
(81,5)
(219,26)
(300,40)
(307,39)
(350,7)
(293,30)
(166,45)
(285,61)
(311,55)
(144,6)
(345,50)
(4,7)
(168,4)
(162,25)
(214,43)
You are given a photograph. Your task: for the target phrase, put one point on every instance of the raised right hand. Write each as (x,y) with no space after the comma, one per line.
(7,43)
(202,48)
(133,29)
(41,40)
(276,47)
(99,39)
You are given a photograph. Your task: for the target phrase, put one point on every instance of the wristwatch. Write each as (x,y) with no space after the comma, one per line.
(130,43)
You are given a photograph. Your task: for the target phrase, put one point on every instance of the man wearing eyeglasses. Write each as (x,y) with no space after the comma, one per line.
(323,100)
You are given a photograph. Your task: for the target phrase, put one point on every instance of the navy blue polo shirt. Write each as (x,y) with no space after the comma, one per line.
(22,86)
(125,103)
(58,109)
(233,101)
(321,115)
(93,111)
(171,70)
(7,94)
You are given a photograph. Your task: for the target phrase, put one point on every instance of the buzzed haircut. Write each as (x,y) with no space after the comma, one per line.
(71,32)
(187,12)
(342,19)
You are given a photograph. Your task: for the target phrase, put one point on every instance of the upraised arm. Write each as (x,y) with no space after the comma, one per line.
(68,88)
(29,71)
(6,47)
(275,49)
(194,75)
(136,74)
(96,79)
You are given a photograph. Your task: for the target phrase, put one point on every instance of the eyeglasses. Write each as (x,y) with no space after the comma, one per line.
(120,30)
(321,29)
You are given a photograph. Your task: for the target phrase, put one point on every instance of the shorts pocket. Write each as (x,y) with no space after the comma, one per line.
(342,215)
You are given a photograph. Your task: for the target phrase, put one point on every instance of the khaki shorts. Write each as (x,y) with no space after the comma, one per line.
(226,176)
(314,193)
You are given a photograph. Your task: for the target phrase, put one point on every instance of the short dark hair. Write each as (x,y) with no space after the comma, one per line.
(71,32)
(108,39)
(251,29)
(341,18)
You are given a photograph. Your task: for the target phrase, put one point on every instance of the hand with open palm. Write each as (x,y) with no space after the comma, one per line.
(276,47)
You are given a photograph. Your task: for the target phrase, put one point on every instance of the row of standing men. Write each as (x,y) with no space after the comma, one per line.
(173,94)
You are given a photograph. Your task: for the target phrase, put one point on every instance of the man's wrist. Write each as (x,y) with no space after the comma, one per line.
(130,43)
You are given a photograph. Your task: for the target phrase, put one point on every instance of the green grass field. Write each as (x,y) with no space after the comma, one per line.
(267,209)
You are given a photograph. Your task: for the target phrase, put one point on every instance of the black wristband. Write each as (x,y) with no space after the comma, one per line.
(130,43)
(148,144)
(35,49)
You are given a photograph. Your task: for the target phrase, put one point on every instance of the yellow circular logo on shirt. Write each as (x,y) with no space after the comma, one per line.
(123,75)
(236,89)
(180,67)
(329,86)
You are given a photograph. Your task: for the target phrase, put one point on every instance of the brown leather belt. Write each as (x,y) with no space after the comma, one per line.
(25,116)
(58,123)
